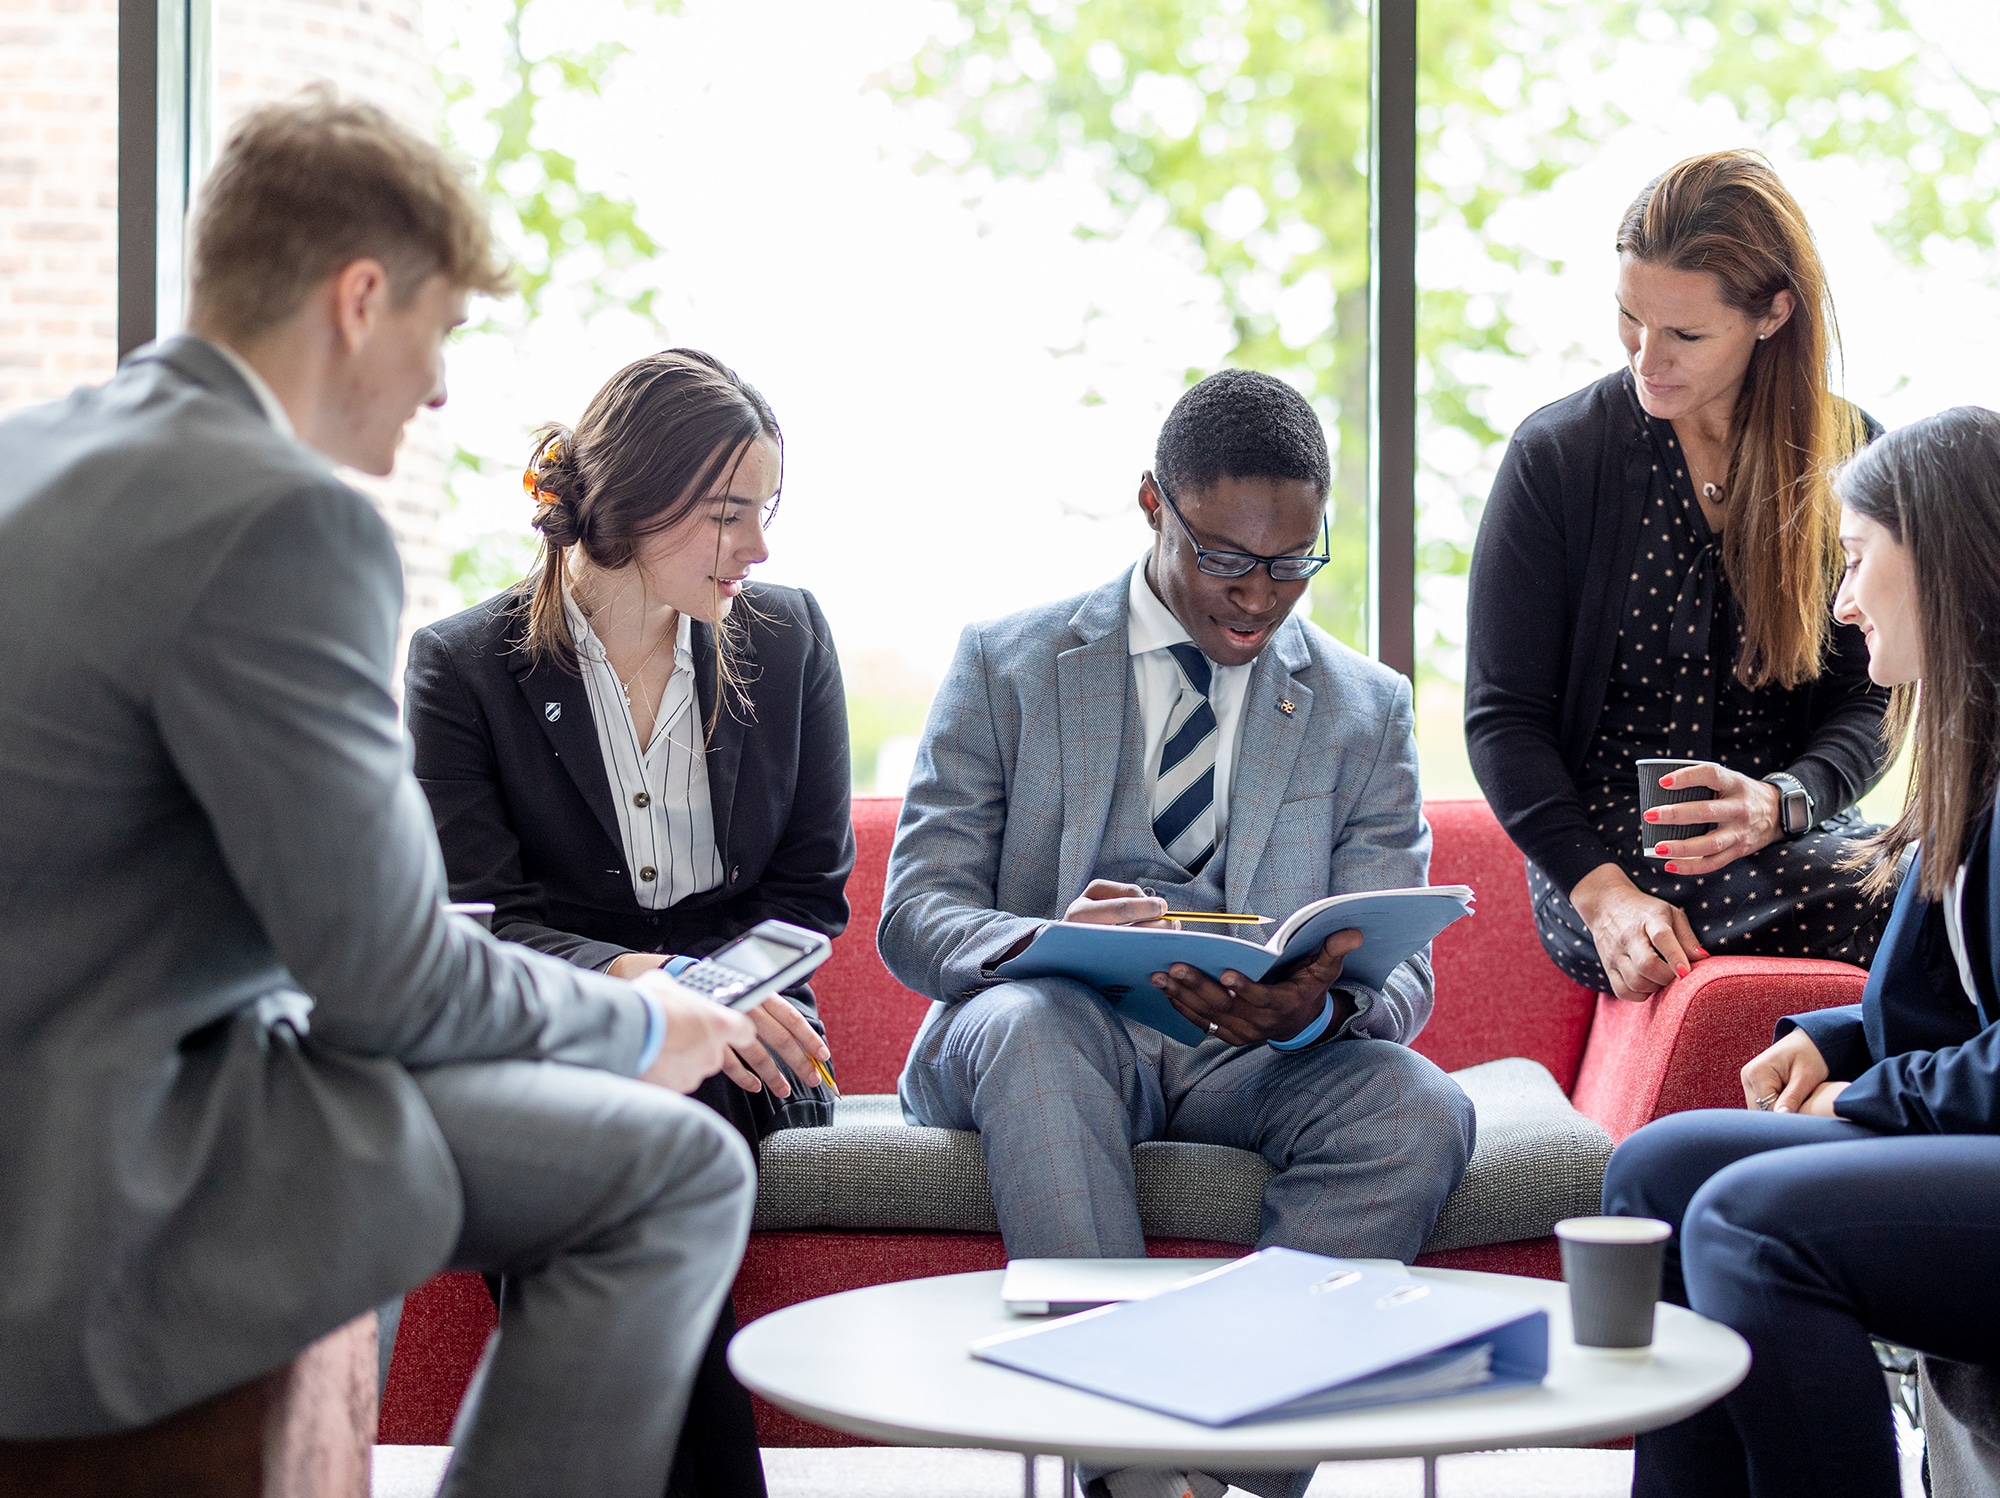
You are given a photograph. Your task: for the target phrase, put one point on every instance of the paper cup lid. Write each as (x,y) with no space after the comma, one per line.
(1614,1230)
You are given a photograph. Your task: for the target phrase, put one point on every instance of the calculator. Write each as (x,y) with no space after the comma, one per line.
(770,956)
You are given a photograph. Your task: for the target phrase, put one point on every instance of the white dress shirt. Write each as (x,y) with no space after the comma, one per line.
(665,818)
(274,409)
(1150,629)
(1954,932)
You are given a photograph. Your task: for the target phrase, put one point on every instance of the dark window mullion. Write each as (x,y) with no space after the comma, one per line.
(1392,333)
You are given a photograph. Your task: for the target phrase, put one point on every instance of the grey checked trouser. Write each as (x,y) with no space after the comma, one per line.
(1367,1138)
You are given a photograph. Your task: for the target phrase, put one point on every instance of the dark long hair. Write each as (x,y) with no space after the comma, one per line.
(1727,214)
(1935,486)
(665,434)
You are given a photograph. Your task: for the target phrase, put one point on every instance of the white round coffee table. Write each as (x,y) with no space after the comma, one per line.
(890,1363)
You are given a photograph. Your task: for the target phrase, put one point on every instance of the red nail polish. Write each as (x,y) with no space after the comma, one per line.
(1666,782)
(1682,971)
(1672,870)
(1652,816)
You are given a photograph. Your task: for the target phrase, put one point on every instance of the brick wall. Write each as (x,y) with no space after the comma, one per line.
(58,197)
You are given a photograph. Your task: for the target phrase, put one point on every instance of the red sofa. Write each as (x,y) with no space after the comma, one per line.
(1497,996)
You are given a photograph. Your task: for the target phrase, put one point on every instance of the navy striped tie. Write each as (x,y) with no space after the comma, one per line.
(1184,790)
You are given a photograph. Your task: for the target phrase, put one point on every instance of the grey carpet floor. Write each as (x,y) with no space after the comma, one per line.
(891,1472)
(888,1472)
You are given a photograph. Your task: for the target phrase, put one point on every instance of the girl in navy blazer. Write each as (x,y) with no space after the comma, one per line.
(1859,1191)
(637,755)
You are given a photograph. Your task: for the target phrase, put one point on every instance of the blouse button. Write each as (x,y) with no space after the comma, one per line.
(649,873)
(640,798)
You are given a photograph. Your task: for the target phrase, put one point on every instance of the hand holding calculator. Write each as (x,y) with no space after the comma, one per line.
(765,960)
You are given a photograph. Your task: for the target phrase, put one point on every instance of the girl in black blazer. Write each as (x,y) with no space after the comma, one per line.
(637,755)
(1858,1191)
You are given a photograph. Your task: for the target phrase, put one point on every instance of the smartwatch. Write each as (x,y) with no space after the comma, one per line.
(1795,804)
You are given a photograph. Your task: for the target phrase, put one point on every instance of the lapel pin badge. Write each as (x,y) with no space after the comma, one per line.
(552,711)
(1287,706)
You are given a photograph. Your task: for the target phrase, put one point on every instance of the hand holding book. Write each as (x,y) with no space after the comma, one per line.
(1241,1011)
(1101,942)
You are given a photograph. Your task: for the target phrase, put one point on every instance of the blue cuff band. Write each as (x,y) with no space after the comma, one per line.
(656,1034)
(1310,1033)
(656,1019)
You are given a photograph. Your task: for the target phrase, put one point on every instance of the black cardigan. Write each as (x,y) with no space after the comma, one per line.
(507,753)
(1555,548)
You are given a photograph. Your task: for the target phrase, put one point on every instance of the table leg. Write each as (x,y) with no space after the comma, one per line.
(1069,1478)
(1430,1478)
(1028,1475)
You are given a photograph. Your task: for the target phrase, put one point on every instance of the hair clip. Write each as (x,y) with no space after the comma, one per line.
(531,477)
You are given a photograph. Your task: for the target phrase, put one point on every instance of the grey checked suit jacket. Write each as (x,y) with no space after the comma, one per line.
(1013,786)
(205,816)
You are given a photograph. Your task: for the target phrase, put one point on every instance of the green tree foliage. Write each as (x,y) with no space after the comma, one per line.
(557,229)
(1246,121)
(549,219)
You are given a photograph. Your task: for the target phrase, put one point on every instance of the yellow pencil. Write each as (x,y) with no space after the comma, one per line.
(1216,918)
(824,1075)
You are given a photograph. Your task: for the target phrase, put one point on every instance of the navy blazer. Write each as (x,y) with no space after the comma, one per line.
(507,752)
(1921,1054)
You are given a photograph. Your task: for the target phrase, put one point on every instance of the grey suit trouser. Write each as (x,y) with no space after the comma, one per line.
(1367,1138)
(618,1212)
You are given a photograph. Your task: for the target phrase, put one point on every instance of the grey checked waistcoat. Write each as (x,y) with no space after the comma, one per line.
(1130,853)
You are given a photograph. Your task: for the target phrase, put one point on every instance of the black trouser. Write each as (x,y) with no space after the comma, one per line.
(1807,1235)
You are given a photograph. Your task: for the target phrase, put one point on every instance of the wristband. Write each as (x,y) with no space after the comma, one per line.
(1310,1033)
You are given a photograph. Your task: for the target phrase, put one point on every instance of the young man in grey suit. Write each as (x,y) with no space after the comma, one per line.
(253,1079)
(1177,739)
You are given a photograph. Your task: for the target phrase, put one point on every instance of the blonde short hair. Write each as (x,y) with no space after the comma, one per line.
(305,187)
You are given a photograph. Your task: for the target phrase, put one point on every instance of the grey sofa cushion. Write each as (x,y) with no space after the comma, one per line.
(1537,1160)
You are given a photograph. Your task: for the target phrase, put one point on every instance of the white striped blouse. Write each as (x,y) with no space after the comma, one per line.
(661,788)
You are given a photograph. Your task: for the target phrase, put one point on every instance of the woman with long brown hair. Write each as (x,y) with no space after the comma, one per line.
(1652,580)
(638,754)
(1855,1193)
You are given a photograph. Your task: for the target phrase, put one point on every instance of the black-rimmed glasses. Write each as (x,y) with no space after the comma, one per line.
(1243,563)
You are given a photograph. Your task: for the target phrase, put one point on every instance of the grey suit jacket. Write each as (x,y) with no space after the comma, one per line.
(1013,787)
(219,911)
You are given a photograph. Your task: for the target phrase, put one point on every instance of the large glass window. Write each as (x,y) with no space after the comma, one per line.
(972,253)
(1539,124)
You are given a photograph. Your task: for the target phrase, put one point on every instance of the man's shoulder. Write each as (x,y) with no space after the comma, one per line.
(154,463)
(1045,630)
(1360,679)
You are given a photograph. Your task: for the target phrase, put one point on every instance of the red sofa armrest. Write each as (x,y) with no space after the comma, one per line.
(1683,1047)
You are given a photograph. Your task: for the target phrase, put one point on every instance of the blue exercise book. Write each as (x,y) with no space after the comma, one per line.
(1119,961)
(1280,1335)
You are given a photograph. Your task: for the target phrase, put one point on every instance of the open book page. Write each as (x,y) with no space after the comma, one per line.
(1119,961)
(1309,915)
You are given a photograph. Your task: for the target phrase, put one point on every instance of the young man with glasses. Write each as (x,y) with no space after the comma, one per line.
(1177,739)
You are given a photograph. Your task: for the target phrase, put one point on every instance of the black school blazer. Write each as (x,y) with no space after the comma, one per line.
(507,753)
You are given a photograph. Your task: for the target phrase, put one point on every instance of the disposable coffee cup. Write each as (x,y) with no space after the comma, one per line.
(1651,834)
(1612,1267)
